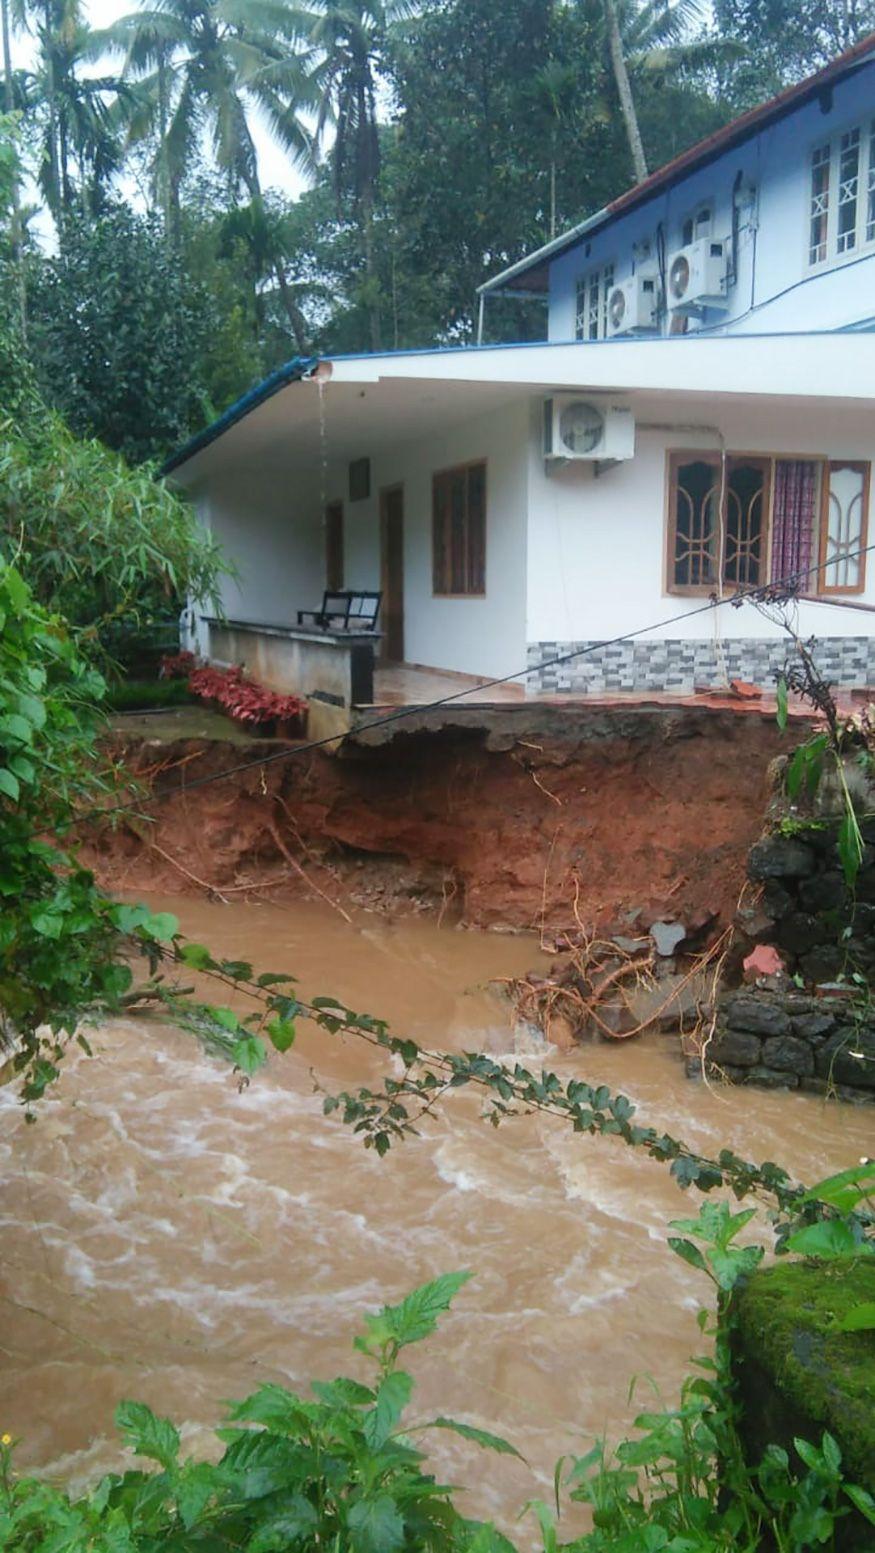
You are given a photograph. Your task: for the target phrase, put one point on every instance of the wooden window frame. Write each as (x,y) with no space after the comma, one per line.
(442,474)
(865,467)
(676,457)
(818,588)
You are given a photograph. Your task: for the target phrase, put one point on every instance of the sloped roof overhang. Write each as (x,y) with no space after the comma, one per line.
(357,405)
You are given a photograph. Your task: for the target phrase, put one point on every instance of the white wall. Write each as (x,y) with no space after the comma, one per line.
(596,553)
(272,525)
(772,245)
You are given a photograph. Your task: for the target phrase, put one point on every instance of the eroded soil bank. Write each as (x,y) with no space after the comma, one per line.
(509,820)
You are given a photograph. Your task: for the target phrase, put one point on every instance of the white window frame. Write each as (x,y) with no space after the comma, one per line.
(842,247)
(589,324)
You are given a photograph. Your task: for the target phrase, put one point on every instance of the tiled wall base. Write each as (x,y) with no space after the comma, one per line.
(680,667)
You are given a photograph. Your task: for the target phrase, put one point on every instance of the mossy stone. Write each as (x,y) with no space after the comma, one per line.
(797,1374)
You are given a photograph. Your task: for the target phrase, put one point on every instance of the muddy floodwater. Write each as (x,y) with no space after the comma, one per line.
(166,1237)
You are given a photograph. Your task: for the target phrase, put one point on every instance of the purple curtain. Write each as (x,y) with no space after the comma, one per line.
(793,515)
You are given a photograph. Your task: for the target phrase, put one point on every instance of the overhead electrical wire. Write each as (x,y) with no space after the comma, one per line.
(758,592)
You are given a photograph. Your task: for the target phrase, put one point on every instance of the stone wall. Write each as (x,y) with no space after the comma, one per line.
(680,666)
(794,1040)
(812,1026)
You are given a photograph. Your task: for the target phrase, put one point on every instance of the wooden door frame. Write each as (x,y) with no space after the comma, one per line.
(396,486)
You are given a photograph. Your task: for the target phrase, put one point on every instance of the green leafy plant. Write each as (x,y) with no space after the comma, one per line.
(337,1470)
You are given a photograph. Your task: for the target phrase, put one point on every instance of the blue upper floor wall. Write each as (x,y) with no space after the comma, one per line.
(783,205)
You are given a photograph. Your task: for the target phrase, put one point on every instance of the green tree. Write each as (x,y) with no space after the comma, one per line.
(782,41)
(117,330)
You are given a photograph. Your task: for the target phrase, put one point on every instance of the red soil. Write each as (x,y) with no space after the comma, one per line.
(503,827)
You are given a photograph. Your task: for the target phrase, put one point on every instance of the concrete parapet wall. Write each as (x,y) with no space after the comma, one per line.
(334,670)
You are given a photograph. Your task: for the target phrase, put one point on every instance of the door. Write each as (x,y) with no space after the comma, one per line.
(392,573)
(334,546)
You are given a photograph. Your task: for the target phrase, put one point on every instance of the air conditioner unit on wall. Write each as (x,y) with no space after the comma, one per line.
(698,275)
(632,305)
(587,429)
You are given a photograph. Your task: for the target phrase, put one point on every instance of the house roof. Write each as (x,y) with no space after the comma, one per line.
(291,372)
(348,406)
(531,274)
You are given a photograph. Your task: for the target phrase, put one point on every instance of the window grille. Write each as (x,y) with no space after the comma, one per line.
(849,184)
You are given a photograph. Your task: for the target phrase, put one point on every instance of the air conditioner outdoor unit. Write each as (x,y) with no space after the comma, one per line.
(697,275)
(587,429)
(632,305)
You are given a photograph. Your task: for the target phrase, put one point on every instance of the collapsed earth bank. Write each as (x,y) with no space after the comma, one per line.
(513,819)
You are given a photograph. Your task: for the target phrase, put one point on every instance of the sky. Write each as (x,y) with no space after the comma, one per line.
(276,171)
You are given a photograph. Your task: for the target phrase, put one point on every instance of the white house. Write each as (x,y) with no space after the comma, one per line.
(701,419)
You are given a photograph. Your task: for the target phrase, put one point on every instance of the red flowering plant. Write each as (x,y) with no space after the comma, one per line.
(244,700)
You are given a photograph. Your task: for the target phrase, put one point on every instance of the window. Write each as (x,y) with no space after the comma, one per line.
(841,213)
(459,530)
(593,290)
(849,184)
(766,519)
(820,161)
(713,537)
(843,528)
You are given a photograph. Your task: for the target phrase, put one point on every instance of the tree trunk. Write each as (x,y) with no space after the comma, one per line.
(366,207)
(54,160)
(624,92)
(17,233)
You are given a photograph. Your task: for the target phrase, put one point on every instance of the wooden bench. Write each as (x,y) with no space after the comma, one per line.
(344,610)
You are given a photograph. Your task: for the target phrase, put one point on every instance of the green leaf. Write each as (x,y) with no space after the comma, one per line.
(688,1252)
(393,1395)
(161,925)
(860,1318)
(195,955)
(16,727)
(850,847)
(296,1522)
(49,924)
(277,1409)
(829,1239)
(33,709)
(249,1053)
(489,1442)
(844,1190)
(147,1434)
(375,1525)
(781,711)
(225,1017)
(416,1317)
(194,1489)
(863,1501)
(343,1392)
(282,1033)
(9,785)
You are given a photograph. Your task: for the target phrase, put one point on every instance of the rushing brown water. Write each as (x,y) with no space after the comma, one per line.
(166,1237)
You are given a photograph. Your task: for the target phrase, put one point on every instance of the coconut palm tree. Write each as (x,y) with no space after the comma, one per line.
(656,37)
(350,38)
(203,68)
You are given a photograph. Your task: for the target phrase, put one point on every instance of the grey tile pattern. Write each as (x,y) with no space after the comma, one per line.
(683,666)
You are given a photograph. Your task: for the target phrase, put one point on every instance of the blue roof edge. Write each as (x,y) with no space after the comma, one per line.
(291,372)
